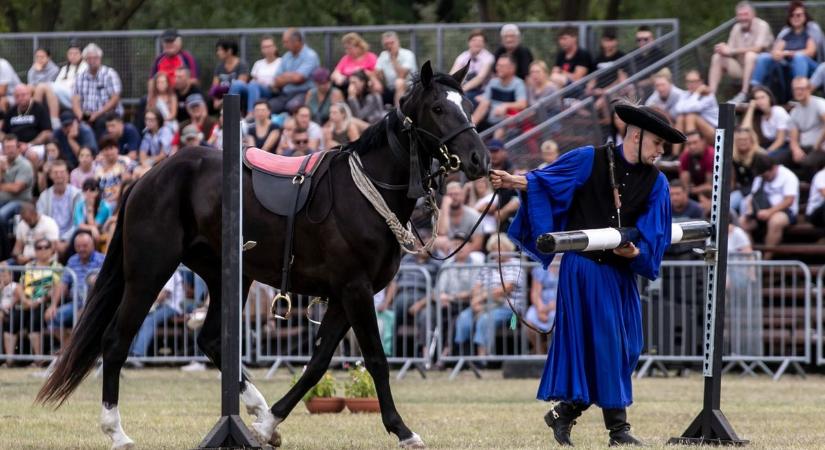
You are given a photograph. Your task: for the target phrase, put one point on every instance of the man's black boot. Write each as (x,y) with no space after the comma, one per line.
(561,418)
(616,422)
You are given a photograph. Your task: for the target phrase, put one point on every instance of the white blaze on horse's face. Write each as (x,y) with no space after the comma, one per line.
(456,98)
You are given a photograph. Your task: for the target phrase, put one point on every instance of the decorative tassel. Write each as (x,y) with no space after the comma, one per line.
(513,321)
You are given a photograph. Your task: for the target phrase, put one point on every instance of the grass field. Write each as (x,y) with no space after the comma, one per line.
(164,408)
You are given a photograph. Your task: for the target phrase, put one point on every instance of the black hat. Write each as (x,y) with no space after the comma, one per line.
(67,118)
(649,119)
(170,35)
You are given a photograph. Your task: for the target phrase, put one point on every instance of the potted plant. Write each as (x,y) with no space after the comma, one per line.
(321,398)
(360,391)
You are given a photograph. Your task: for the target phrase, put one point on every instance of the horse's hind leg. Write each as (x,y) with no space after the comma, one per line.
(359,307)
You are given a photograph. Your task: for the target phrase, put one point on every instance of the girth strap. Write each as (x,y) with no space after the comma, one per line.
(297,181)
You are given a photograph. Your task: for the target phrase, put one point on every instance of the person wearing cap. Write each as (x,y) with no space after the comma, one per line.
(172,58)
(72,136)
(598,334)
(191,136)
(262,76)
(196,107)
(322,96)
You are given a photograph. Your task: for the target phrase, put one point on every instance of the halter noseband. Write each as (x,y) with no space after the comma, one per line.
(449,162)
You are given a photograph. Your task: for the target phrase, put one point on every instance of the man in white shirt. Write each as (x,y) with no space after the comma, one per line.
(393,69)
(773,203)
(697,110)
(8,81)
(665,96)
(807,129)
(168,305)
(33,226)
(263,75)
(815,210)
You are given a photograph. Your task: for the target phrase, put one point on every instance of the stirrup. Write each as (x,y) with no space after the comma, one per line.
(313,302)
(274,308)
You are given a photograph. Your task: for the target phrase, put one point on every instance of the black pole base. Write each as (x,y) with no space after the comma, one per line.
(710,427)
(229,432)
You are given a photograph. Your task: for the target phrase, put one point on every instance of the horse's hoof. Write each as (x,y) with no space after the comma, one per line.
(413,441)
(275,440)
(265,433)
(125,444)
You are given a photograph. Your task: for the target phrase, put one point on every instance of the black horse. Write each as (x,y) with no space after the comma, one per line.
(172,215)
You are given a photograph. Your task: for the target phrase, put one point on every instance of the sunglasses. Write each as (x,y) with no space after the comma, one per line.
(43,247)
(301,141)
(644,39)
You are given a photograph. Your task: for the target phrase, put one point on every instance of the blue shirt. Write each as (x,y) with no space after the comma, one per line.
(81,271)
(102,215)
(499,93)
(130,139)
(85,138)
(304,63)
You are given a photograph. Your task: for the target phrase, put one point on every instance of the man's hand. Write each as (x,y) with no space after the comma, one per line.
(722,49)
(446,202)
(777,55)
(764,214)
(797,154)
(627,251)
(74,130)
(502,179)
(50,312)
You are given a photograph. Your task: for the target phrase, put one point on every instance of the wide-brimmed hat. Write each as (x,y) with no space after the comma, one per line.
(649,119)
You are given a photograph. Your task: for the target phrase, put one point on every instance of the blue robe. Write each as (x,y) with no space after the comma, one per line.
(598,336)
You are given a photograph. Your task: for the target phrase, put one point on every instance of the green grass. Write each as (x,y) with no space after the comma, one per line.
(165,408)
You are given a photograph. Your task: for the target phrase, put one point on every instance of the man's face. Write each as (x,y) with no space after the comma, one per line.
(770,174)
(609,45)
(22,96)
(497,157)
(83,245)
(566,42)
(59,175)
(652,147)
(93,60)
(801,90)
(197,111)
(456,193)
(505,68)
(10,149)
(510,40)
(695,144)
(744,16)
(300,141)
(181,78)
(662,86)
(291,43)
(114,128)
(170,48)
(268,48)
(390,44)
(678,198)
(643,38)
(29,216)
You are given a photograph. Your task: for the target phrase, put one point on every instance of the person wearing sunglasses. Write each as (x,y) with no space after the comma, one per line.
(299,143)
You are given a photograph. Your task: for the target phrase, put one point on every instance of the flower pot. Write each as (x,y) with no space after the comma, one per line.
(320,405)
(361,405)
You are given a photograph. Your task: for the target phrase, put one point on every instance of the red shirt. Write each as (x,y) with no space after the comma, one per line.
(169,63)
(697,166)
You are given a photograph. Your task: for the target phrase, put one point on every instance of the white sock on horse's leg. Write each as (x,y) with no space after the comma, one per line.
(111,427)
(265,423)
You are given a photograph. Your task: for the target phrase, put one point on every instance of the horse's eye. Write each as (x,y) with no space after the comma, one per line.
(437,110)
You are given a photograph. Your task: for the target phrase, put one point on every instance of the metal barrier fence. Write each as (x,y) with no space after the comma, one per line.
(820,316)
(406,336)
(131,52)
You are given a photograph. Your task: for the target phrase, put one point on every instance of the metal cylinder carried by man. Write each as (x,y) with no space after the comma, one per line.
(598,334)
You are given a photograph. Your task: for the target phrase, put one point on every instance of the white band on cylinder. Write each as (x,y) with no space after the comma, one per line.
(602,238)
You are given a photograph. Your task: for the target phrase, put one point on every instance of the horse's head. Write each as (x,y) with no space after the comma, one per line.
(441,114)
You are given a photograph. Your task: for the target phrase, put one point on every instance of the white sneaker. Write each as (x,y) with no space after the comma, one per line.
(739,98)
(194,366)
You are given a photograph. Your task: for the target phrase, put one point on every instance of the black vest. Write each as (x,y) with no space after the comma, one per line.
(593,205)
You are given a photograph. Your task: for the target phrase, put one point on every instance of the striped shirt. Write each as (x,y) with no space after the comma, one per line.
(95,90)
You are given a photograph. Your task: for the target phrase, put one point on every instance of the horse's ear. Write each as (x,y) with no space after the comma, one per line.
(461,73)
(426,74)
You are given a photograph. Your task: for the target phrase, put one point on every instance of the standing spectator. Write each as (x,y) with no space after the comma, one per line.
(263,75)
(807,128)
(184,87)
(572,62)
(37,288)
(127,136)
(59,203)
(32,228)
(299,144)
(340,129)
(173,58)
(156,143)
(163,99)
(112,171)
(8,81)
(91,212)
(773,203)
(324,94)
(504,94)
(364,103)
(651,53)
(303,119)
(196,108)
(539,84)
(168,305)
(43,72)
(292,79)
(696,165)
(27,119)
(264,133)
(665,96)
(745,148)
(59,93)
(511,45)
(230,69)
(815,209)
(96,91)
(393,69)
(72,136)
(17,178)
(481,65)
(357,58)
(749,37)
(793,51)
(456,217)
(85,167)
(773,122)
(698,109)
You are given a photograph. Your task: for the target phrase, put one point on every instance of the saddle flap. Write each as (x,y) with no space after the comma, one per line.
(275,182)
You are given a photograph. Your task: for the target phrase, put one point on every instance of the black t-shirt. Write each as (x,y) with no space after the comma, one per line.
(28,124)
(182,114)
(607,62)
(523,58)
(642,60)
(580,58)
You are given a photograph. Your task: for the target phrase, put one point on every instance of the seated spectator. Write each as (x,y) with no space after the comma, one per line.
(393,69)
(456,217)
(196,108)
(481,65)
(32,228)
(511,45)
(407,292)
(262,76)
(542,311)
(815,209)
(341,128)
(772,204)
(745,148)
(607,58)
(72,136)
(303,119)
(285,142)
(58,94)
(773,123)
(749,37)
(216,138)
(357,58)
(8,300)
(109,227)
(698,109)
(793,51)
(8,81)
(807,130)
(167,306)
(478,193)
(29,121)
(504,94)
(572,62)
(85,167)
(17,176)
(59,202)
(683,209)
(172,59)
(696,165)
(91,212)
(324,94)
(156,143)
(164,100)
(230,69)
(185,86)
(299,143)
(191,136)
(84,262)
(549,153)
(665,96)
(264,133)
(43,72)
(364,103)
(651,54)
(96,91)
(292,79)
(112,170)
(488,306)
(539,84)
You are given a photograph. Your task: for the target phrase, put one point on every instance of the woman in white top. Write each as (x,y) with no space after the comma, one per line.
(263,76)
(773,122)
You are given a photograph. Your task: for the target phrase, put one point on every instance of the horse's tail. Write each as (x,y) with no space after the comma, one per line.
(85,345)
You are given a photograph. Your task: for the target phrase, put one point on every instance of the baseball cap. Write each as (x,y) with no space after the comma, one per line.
(320,75)
(194,99)
(67,118)
(495,145)
(170,35)
(190,131)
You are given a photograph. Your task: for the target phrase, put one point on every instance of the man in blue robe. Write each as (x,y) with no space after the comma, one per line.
(598,334)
